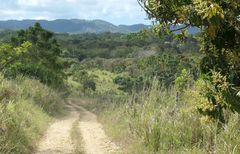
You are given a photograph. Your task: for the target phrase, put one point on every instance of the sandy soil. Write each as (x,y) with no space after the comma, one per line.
(95,140)
(57,139)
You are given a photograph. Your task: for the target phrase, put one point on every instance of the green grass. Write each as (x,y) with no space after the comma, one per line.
(104,83)
(26,107)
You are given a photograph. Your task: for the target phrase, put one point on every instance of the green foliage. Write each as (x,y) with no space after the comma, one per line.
(12,56)
(33,53)
(181,82)
(220,25)
(94,81)
(85,79)
(115,45)
(167,66)
(135,73)
(89,84)
(220,95)
(125,83)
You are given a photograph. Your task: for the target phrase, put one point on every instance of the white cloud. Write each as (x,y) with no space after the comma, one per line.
(71,1)
(116,11)
(33,3)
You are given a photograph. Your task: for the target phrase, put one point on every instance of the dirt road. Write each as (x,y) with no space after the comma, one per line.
(58,139)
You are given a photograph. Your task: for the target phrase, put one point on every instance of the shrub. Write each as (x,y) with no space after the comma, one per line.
(89,84)
(125,83)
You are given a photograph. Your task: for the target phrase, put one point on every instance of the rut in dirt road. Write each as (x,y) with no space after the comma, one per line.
(57,139)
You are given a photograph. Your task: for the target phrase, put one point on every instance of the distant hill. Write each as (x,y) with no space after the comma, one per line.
(72,26)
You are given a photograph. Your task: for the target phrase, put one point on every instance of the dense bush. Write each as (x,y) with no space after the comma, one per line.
(135,73)
(115,45)
(125,83)
(34,53)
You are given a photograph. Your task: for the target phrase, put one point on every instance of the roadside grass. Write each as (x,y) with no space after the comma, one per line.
(153,122)
(26,107)
(21,125)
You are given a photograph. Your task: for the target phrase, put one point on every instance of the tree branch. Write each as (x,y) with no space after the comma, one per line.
(145,8)
(186,26)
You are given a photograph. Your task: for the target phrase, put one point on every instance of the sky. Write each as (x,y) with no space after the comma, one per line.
(114,11)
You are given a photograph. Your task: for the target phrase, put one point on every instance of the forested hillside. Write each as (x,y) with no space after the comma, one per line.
(117,45)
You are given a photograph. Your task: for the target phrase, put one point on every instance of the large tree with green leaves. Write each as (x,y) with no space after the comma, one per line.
(219,21)
(35,53)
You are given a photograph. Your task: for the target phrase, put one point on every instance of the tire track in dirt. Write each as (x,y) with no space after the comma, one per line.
(94,138)
(57,139)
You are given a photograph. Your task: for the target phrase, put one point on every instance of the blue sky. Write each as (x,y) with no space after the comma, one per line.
(115,11)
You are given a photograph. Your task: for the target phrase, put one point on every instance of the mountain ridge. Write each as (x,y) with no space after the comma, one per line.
(72,26)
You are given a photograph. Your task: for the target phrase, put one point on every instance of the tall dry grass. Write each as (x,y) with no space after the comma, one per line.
(25,109)
(153,122)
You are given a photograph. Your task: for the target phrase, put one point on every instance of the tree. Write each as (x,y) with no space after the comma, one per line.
(39,56)
(125,83)
(219,21)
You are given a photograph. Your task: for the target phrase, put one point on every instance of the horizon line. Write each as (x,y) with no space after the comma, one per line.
(73,19)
